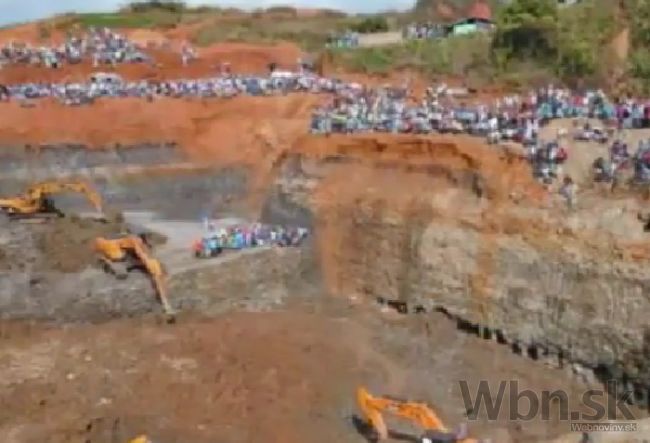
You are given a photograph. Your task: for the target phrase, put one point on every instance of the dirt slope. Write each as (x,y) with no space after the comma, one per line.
(214,128)
(238,377)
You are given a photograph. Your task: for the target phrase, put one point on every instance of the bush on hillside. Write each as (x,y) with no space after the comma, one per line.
(527,28)
(369,25)
(173,6)
(282,10)
(572,41)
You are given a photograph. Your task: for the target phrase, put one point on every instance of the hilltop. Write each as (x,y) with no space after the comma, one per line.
(592,43)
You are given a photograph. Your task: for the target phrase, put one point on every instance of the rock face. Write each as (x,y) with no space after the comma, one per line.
(155,176)
(426,239)
(254,280)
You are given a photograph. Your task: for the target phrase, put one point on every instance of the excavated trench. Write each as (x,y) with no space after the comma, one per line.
(48,272)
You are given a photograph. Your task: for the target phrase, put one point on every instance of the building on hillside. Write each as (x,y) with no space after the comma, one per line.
(478,19)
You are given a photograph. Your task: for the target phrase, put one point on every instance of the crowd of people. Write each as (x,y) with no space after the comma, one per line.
(345,40)
(102,46)
(247,236)
(516,117)
(355,108)
(420,31)
(620,159)
(223,85)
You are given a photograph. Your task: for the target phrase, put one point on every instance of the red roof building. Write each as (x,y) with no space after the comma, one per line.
(480,10)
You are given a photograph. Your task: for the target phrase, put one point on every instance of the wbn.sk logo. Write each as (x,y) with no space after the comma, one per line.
(524,405)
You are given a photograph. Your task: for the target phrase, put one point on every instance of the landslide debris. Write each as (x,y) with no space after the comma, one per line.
(64,245)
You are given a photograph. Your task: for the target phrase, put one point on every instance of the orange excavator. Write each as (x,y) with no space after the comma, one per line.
(121,255)
(37,201)
(418,413)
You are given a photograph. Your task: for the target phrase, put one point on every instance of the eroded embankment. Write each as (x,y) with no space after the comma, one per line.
(243,132)
(451,225)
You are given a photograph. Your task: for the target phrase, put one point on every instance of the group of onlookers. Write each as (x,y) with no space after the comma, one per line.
(225,85)
(346,39)
(102,46)
(353,107)
(253,235)
(419,31)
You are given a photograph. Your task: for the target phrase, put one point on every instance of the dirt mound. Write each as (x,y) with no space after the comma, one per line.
(213,127)
(67,243)
(195,374)
(207,380)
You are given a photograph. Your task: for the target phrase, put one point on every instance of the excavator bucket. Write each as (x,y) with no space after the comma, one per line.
(371,413)
(161,289)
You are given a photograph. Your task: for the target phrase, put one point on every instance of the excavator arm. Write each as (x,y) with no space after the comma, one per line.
(418,413)
(371,408)
(115,250)
(154,268)
(41,190)
(33,202)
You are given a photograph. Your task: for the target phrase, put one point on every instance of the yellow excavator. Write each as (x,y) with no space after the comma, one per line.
(37,201)
(418,413)
(121,255)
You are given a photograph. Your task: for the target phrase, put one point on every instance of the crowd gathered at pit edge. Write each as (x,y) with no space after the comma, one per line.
(352,107)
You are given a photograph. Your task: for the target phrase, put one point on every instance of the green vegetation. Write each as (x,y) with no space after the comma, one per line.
(458,56)
(640,37)
(116,20)
(371,24)
(148,14)
(174,7)
(535,41)
(311,33)
(572,42)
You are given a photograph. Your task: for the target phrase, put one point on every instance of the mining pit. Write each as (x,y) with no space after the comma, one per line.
(430,261)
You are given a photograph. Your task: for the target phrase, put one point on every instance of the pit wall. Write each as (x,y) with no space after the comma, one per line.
(147,176)
(566,307)
(61,159)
